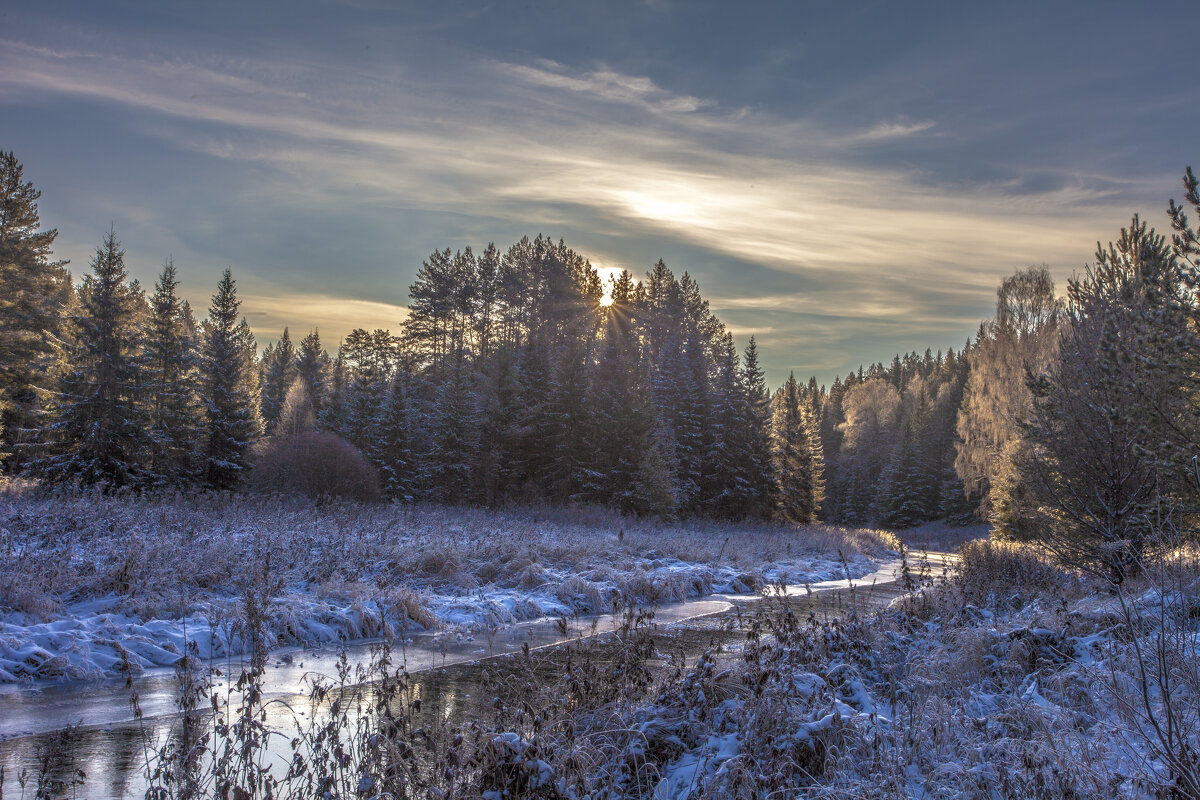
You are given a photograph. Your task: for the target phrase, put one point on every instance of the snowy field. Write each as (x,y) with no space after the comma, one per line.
(93,586)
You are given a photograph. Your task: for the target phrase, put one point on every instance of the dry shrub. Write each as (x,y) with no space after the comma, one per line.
(440,562)
(579,593)
(315,464)
(532,577)
(999,569)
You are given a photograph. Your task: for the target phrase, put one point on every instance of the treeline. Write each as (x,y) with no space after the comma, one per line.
(518,376)
(888,437)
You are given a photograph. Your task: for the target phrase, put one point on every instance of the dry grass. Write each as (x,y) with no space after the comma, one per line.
(155,553)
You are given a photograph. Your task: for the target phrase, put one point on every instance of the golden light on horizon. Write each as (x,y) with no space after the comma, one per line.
(606,301)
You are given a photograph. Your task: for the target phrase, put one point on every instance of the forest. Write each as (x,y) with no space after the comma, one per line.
(534,444)
(519,376)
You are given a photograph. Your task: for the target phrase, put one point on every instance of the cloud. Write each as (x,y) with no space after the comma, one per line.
(270,312)
(541,144)
(892,130)
(605,85)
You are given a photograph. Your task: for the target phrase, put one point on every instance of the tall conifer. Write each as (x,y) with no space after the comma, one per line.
(229,389)
(98,431)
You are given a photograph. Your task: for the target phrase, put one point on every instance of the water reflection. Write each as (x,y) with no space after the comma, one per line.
(112,747)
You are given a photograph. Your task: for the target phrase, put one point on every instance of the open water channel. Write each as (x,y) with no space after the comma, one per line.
(106,741)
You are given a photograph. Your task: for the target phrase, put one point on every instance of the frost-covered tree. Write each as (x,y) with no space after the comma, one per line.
(279,369)
(757,436)
(1114,421)
(908,491)
(229,389)
(313,367)
(170,364)
(619,413)
(1021,339)
(333,414)
(872,409)
(32,305)
(655,483)
(370,359)
(98,432)
(398,447)
(729,489)
(798,461)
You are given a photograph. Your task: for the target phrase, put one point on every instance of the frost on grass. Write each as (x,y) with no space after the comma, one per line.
(92,585)
(1012,679)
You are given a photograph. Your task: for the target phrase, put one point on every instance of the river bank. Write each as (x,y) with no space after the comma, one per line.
(93,587)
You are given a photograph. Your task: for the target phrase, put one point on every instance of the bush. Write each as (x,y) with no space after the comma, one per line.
(315,464)
(989,567)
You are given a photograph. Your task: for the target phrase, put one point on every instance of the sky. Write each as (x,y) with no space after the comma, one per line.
(845,180)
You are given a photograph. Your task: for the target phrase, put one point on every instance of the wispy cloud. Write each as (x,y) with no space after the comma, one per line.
(892,130)
(270,312)
(605,85)
(541,144)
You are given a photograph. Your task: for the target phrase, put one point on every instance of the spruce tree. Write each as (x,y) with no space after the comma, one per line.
(98,430)
(170,363)
(908,491)
(619,417)
(370,360)
(655,492)
(279,370)
(36,293)
(797,456)
(453,425)
(396,450)
(757,421)
(334,413)
(313,367)
(728,490)
(229,389)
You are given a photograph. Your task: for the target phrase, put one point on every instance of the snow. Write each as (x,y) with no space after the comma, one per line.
(185,576)
(932,696)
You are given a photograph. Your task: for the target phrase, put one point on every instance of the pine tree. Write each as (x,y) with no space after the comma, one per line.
(98,430)
(729,491)
(313,367)
(797,456)
(36,293)
(170,363)
(619,416)
(757,421)
(1112,431)
(279,369)
(397,447)
(229,389)
(334,412)
(501,413)
(535,451)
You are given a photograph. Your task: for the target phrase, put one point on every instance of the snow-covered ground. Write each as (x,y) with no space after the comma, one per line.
(1011,680)
(93,586)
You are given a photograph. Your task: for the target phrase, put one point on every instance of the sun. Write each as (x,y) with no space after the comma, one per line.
(606,301)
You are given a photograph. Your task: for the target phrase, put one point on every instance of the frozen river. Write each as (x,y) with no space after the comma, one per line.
(107,742)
